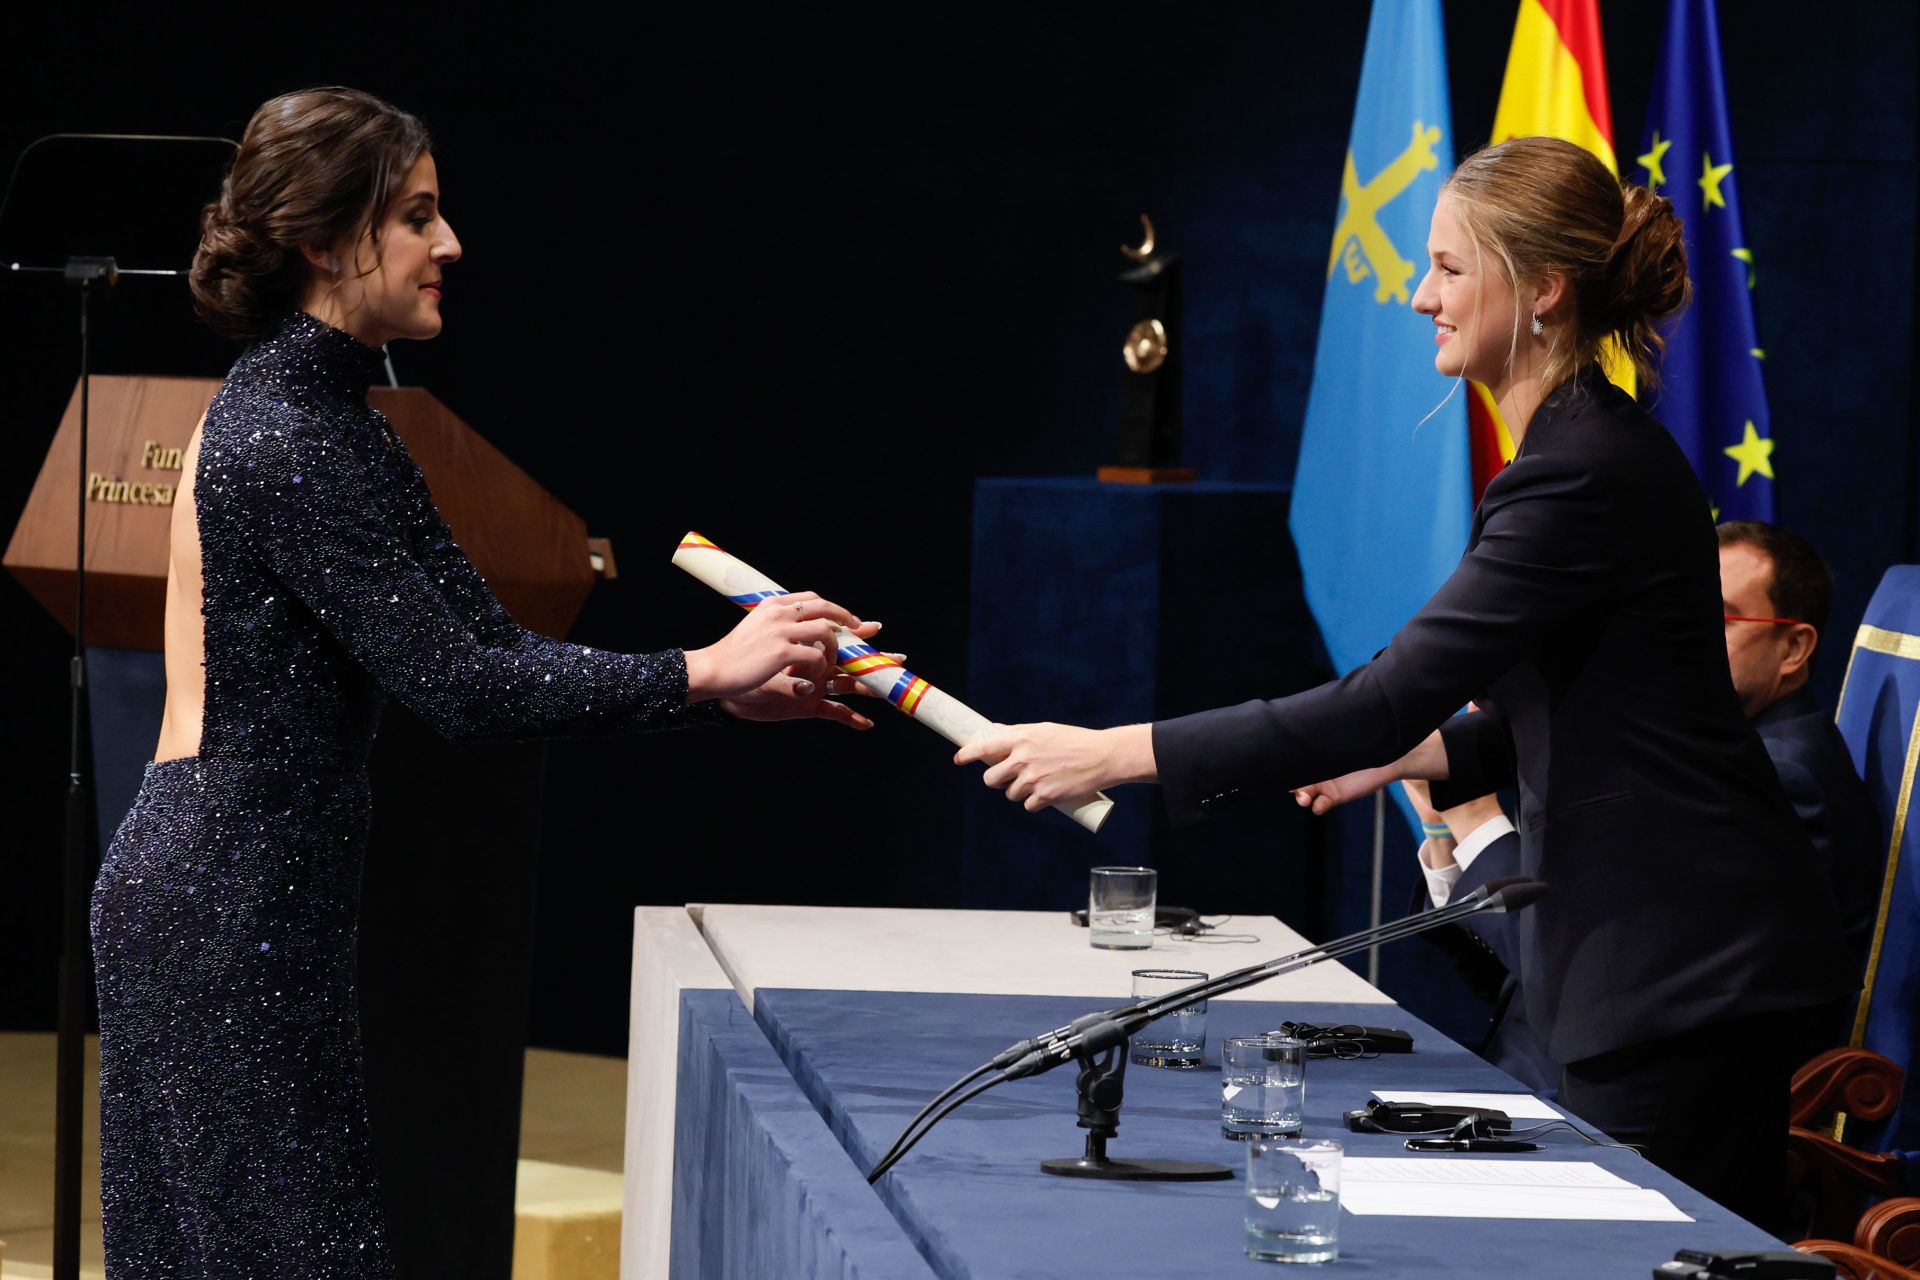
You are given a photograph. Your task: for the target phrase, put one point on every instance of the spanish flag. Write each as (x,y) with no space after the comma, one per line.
(1557,78)
(1556,85)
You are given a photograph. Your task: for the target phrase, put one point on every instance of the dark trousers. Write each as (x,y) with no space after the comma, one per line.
(1708,1106)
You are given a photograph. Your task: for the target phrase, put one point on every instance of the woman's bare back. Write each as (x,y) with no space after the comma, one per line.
(185,627)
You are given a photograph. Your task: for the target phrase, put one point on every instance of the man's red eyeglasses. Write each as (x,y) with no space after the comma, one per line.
(1785,622)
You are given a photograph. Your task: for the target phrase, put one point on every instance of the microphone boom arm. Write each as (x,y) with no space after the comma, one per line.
(1093,1033)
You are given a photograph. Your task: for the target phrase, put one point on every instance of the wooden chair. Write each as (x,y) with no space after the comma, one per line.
(1829,1179)
(1865,1087)
(1886,1243)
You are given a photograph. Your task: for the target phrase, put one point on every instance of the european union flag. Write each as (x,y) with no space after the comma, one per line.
(1711,395)
(1381,500)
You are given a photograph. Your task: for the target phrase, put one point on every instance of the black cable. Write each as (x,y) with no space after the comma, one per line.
(1333,951)
(880,1169)
(943,1095)
(1391,932)
(1211,935)
(1524,1134)
(1547,1126)
(1213,986)
(1005,1058)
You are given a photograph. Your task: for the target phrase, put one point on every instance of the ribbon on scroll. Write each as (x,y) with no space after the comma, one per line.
(945,714)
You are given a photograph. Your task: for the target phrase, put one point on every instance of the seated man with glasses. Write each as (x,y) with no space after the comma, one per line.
(1777,594)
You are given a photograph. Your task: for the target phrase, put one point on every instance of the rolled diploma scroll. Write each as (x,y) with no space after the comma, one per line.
(946,715)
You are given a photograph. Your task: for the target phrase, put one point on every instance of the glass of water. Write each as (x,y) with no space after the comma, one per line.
(1263,1086)
(1120,908)
(1179,1039)
(1293,1200)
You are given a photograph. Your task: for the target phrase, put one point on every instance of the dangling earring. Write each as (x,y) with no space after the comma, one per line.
(1535,327)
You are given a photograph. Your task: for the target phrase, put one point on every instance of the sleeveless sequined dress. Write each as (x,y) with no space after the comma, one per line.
(234,1136)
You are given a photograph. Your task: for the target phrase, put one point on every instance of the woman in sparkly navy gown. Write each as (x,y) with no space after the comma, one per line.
(310,580)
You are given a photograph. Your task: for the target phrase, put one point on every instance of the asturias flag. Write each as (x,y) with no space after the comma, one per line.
(1711,395)
(1380,501)
(1555,87)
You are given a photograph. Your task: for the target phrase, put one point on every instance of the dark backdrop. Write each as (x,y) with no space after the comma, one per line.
(796,279)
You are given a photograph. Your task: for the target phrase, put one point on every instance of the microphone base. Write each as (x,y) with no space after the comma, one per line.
(1137,1170)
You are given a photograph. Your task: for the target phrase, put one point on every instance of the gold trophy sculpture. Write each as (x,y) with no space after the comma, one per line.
(1150,417)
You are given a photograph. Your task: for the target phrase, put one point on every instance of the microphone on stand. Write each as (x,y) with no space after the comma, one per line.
(92,274)
(1094,1034)
(1095,1031)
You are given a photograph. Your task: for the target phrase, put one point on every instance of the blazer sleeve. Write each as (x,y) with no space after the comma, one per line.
(1496,929)
(331,529)
(1546,556)
(1480,759)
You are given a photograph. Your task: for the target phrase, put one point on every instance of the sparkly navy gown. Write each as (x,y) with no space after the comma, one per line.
(233,1124)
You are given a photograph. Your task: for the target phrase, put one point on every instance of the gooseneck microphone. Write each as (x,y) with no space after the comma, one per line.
(1094,1033)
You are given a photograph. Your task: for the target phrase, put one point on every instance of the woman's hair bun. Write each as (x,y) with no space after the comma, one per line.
(1646,274)
(240,277)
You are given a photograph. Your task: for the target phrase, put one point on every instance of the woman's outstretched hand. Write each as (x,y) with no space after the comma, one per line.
(777,664)
(782,698)
(1042,764)
(1426,761)
(1324,797)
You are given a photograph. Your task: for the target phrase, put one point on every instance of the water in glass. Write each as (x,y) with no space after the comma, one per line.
(1297,1223)
(1127,929)
(1261,1103)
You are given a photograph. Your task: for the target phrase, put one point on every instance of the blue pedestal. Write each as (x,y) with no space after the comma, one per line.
(1103,604)
(127,696)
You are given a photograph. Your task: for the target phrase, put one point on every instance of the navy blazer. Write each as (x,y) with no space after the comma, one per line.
(1585,617)
(1817,771)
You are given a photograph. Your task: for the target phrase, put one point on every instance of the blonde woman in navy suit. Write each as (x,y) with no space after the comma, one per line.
(1688,931)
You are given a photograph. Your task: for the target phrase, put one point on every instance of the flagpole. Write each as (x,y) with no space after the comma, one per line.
(1379,871)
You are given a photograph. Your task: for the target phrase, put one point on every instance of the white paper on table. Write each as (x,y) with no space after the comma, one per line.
(1503,1173)
(1520,1106)
(1538,1189)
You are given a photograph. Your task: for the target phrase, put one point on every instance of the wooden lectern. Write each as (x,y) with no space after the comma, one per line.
(530,549)
(447,903)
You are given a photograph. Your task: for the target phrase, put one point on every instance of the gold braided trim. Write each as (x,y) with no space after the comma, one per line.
(1895,644)
(1893,869)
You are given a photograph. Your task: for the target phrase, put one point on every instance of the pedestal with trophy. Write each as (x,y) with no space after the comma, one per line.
(1149,450)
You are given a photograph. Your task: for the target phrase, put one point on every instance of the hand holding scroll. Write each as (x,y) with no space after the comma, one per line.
(1037,764)
(878,672)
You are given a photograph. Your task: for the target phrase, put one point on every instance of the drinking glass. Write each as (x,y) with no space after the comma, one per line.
(1293,1200)
(1263,1086)
(1179,1039)
(1120,908)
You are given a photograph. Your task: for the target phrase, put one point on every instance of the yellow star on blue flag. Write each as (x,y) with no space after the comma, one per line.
(1651,161)
(1753,453)
(1711,175)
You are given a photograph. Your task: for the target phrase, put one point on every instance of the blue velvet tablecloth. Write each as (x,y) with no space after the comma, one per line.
(761,1190)
(973,1199)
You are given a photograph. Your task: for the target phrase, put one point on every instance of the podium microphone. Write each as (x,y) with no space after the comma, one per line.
(1094,1034)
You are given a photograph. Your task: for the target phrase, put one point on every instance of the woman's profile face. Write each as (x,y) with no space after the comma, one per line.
(1471,304)
(392,289)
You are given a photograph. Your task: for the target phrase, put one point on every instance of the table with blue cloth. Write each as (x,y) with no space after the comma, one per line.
(971,1199)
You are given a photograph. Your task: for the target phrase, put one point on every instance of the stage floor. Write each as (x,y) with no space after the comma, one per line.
(572,1125)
